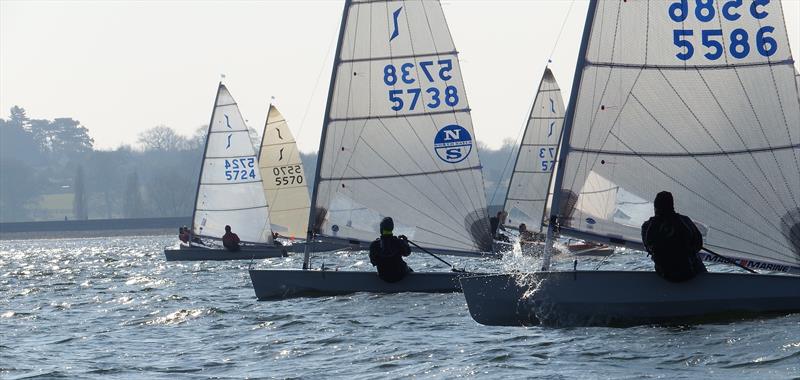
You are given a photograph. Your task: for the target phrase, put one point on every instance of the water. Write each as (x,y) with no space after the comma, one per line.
(100,308)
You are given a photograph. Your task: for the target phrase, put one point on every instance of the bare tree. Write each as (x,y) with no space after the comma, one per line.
(163,139)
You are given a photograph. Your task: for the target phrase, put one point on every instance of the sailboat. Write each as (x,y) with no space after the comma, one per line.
(397,140)
(696,98)
(229,192)
(528,188)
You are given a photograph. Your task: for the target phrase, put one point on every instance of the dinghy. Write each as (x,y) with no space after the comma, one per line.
(229,191)
(397,140)
(696,98)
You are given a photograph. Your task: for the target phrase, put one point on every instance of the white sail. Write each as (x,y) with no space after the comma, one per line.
(698,98)
(398,138)
(284,178)
(230,190)
(530,181)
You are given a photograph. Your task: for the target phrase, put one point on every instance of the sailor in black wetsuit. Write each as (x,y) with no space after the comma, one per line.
(387,253)
(673,241)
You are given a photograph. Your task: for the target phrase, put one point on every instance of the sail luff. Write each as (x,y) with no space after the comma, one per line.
(202,161)
(283,177)
(566,132)
(537,155)
(312,214)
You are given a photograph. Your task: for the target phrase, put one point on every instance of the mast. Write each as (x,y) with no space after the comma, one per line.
(323,136)
(566,132)
(205,151)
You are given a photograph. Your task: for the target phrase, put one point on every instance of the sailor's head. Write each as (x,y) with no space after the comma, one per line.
(227,228)
(387,226)
(523,227)
(499,214)
(664,203)
(180,229)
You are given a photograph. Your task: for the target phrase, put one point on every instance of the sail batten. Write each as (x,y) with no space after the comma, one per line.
(398,138)
(681,97)
(229,189)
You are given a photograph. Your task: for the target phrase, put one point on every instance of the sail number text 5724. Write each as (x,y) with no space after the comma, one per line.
(429,77)
(239,169)
(738,42)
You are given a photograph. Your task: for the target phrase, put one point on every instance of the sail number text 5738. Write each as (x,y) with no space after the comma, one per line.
(430,77)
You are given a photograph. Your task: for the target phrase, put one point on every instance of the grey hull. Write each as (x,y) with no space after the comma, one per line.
(211,254)
(624,298)
(279,284)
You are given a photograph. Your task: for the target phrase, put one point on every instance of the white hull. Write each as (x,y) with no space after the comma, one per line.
(280,284)
(624,298)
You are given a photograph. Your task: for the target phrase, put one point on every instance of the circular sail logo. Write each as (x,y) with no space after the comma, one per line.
(453,143)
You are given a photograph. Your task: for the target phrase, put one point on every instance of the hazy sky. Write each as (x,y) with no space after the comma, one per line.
(121,67)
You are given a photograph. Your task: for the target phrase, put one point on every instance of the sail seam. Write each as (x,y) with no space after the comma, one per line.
(691,154)
(232,209)
(398,175)
(389,58)
(688,67)
(370,117)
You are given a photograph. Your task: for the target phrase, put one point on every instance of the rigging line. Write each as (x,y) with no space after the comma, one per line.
(741,139)
(704,167)
(520,135)
(421,169)
(754,254)
(705,199)
(457,64)
(788,133)
(602,95)
(766,139)
(412,207)
(563,24)
(410,183)
(708,133)
(348,98)
(723,183)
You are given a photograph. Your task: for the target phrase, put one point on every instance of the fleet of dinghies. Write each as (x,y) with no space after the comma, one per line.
(685,96)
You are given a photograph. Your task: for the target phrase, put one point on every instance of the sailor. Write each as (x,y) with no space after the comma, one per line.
(525,236)
(496,225)
(230,240)
(387,253)
(672,240)
(183,235)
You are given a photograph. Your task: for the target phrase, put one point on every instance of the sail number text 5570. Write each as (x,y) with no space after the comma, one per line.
(287,175)
(738,43)
(430,77)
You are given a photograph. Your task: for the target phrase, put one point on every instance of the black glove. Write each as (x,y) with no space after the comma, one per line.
(403,237)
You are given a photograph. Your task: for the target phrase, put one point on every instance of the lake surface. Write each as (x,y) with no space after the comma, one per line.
(113,308)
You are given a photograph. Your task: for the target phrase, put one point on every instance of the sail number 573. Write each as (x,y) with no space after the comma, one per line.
(739,42)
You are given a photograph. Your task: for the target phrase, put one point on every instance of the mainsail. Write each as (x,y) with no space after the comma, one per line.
(698,98)
(397,138)
(229,191)
(284,178)
(530,181)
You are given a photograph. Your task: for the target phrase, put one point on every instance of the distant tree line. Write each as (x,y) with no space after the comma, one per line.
(50,169)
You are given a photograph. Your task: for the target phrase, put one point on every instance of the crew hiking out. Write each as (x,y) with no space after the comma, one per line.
(673,241)
(387,253)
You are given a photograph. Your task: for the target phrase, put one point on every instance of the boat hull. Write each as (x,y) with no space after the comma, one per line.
(625,298)
(281,284)
(202,254)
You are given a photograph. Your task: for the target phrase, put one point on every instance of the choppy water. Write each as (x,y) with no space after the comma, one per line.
(113,308)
